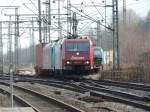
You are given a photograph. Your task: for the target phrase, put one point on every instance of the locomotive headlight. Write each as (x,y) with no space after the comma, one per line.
(87,62)
(68,62)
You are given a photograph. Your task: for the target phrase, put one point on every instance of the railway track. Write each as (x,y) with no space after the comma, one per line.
(19,100)
(123,97)
(135,86)
(39,102)
(96,89)
(99,83)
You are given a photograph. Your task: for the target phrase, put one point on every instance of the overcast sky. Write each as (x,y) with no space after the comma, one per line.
(141,7)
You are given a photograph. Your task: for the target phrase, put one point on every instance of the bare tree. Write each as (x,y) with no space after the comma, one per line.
(133,39)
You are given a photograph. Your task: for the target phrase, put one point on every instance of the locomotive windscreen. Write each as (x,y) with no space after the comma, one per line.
(81,46)
(97,53)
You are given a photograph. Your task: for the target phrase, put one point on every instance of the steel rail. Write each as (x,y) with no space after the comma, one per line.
(135,86)
(94,91)
(20,100)
(98,93)
(60,103)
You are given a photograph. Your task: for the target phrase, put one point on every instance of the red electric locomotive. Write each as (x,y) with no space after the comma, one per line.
(77,54)
(65,55)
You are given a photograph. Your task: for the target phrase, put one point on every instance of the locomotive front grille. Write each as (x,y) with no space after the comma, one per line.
(77,62)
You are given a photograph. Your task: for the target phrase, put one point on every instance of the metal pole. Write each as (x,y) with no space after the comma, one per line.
(59,24)
(105,26)
(39,10)
(46,24)
(30,47)
(19,51)
(68,18)
(16,38)
(116,59)
(1,49)
(74,27)
(124,13)
(98,34)
(43,30)
(32,35)
(105,16)
(10,62)
(117,36)
(49,20)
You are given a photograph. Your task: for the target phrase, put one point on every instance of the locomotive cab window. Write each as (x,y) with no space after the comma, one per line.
(71,47)
(97,53)
(82,46)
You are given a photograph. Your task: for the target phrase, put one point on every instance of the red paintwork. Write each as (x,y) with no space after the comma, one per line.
(77,60)
(87,55)
(39,50)
(91,54)
(39,57)
(69,54)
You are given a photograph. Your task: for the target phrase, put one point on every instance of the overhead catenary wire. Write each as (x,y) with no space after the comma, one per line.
(85,26)
(98,10)
(11,3)
(33,4)
(29,8)
(43,18)
(88,17)
(46,21)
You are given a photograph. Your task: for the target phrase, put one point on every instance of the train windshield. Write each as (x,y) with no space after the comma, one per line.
(82,46)
(97,53)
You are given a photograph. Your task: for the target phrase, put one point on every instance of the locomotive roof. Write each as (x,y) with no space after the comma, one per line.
(97,47)
(78,39)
